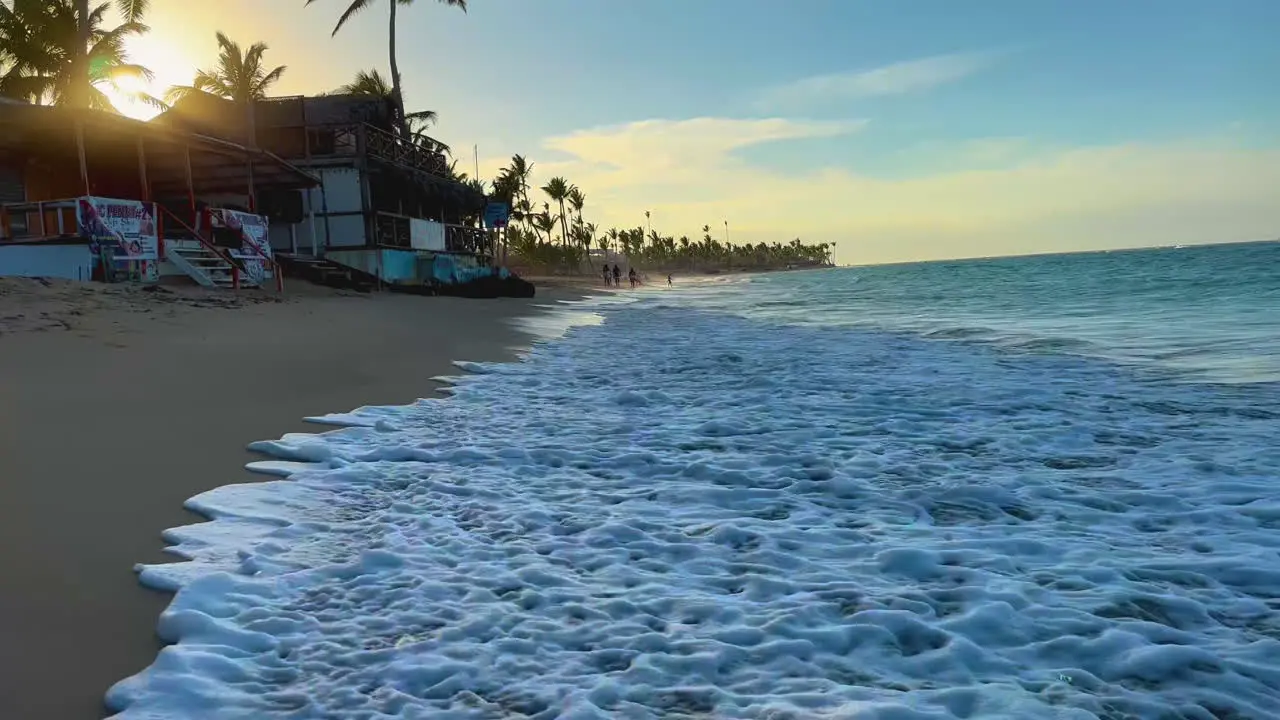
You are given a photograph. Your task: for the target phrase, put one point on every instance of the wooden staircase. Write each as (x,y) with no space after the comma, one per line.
(207,267)
(324,272)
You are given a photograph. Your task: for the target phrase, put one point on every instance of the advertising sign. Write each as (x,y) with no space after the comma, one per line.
(254,242)
(496,215)
(122,234)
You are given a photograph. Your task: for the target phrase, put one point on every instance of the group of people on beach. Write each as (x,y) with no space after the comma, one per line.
(613,277)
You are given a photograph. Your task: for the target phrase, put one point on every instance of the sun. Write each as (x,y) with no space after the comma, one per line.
(125,92)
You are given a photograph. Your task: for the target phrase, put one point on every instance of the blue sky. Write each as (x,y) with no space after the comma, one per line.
(906,129)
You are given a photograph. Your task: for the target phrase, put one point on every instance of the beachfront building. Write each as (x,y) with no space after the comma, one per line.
(90,195)
(386,207)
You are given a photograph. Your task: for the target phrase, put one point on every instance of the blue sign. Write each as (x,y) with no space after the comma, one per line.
(496,215)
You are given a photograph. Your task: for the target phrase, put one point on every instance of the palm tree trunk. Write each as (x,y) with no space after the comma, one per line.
(564,226)
(397,95)
(80,61)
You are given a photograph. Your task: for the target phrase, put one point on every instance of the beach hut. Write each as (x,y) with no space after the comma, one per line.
(86,194)
(386,207)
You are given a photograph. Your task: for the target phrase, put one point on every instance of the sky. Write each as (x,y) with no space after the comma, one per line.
(898,129)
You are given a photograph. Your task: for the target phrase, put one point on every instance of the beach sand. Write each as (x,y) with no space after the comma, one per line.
(116,405)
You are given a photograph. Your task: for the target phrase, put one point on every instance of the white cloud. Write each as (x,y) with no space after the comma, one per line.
(989,200)
(897,79)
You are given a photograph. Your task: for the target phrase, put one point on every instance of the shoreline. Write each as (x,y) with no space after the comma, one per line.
(117,406)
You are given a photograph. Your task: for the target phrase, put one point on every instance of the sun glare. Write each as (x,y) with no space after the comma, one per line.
(169,67)
(125,96)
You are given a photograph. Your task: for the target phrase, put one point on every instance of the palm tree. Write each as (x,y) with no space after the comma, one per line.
(557,188)
(545,222)
(397,92)
(79,91)
(239,76)
(46,45)
(577,201)
(520,169)
(371,83)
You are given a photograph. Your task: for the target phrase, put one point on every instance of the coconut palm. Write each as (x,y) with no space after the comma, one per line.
(44,46)
(397,92)
(519,171)
(577,201)
(240,75)
(557,188)
(79,90)
(545,221)
(371,83)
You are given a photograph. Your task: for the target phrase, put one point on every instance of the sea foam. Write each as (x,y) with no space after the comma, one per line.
(675,514)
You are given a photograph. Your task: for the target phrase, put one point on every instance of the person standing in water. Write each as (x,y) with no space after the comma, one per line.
(617,276)
(670,282)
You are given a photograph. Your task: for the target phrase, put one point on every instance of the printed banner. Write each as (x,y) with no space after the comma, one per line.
(122,234)
(496,215)
(254,240)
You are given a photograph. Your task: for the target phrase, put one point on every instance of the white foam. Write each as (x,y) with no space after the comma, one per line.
(683,515)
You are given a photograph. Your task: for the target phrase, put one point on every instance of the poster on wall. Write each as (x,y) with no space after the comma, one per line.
(255,247)
(122,235)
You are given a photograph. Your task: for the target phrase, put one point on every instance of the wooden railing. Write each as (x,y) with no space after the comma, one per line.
(42,208)
(221,252)
(246,240)
(392,230)
(413,155)
(462,239)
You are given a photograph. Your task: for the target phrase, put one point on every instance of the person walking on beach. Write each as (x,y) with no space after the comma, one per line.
(607,275)
(631,276)
(670,282)
(617,276)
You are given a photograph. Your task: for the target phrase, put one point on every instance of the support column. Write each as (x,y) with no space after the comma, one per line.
(253,201)
(311,203)
(84,163)
(191,185)
(142,170)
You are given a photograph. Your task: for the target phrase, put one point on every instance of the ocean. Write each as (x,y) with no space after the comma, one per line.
(1040,487)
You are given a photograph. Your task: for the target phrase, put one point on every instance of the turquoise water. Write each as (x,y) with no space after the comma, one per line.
(1207,313)
(1036,488)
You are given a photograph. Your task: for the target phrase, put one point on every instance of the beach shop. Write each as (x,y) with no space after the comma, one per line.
(90,195)
(386,207)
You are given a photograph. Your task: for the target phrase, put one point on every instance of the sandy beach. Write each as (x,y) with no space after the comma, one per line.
(116,405)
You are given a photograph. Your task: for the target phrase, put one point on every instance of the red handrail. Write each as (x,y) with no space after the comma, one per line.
(235,269)
(279,273)
(272,261)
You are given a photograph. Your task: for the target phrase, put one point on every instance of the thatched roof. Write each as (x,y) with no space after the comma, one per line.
(223,118)
(218,164)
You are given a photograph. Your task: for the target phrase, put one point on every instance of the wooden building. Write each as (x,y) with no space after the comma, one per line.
(385,205)
(54,159)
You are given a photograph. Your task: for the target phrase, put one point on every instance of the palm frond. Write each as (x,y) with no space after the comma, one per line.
(355,7)
(133,10)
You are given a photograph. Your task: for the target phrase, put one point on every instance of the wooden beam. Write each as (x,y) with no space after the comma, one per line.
(191,183)
(84,163)
(142,170)
(253,204)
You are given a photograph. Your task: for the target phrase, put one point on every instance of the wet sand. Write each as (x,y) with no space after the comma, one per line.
(116,406)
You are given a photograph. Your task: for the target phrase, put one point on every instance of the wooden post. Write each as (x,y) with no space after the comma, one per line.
(142,171)
(84,163)
(324,208)
(191,184)
(366,193)
(253,205)
(311,207)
